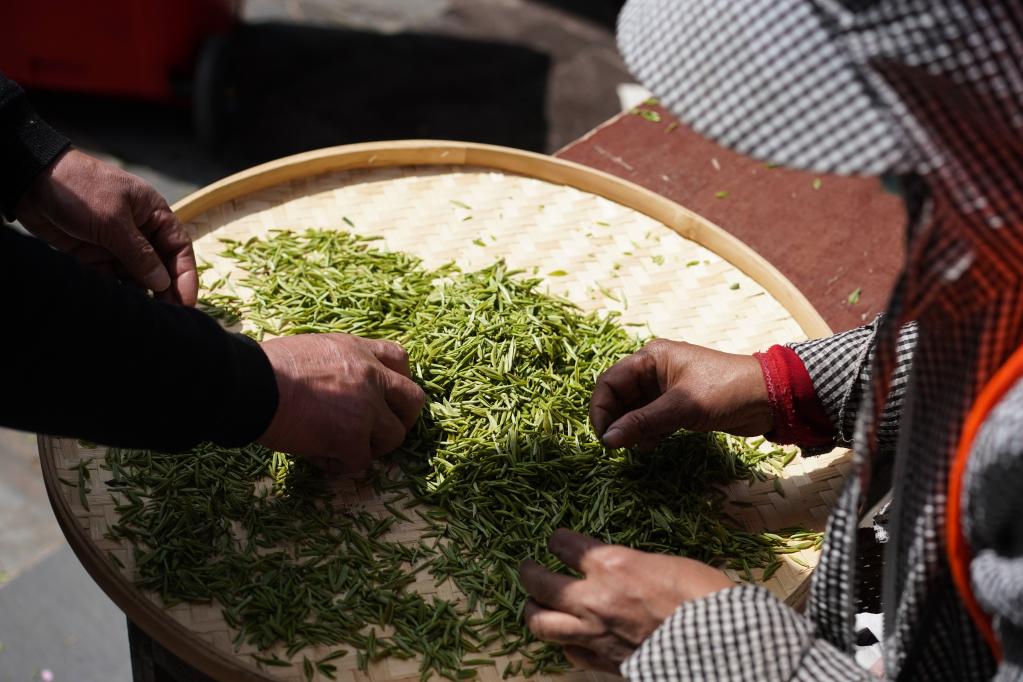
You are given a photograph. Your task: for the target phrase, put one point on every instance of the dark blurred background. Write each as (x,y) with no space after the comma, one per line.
(183,99)
(200,97)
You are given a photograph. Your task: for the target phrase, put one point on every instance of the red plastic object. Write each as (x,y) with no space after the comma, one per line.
(131,48)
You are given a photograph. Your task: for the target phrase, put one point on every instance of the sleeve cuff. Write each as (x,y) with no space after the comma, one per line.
(799,416)
(255,398)
(27,145)
(742,633)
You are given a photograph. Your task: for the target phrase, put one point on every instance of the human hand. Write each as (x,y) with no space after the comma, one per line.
(112,221)
(625,595)
(340,396)
(669,385)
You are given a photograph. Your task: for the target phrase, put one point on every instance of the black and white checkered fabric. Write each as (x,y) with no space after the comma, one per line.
(766,78)
(933,90)
(841,385)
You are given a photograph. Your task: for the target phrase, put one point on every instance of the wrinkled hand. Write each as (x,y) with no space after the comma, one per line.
(625,595)
(669,385)
(114,222)
(340,396)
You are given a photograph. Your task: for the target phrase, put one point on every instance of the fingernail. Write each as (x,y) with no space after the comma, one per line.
(612,434)
(157,279)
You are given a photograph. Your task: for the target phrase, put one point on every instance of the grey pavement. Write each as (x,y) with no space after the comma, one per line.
(547,76)
(55,618)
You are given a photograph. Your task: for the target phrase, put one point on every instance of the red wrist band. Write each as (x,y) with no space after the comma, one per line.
(798,414)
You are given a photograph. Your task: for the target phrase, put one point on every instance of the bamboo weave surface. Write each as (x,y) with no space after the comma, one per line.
(613,257)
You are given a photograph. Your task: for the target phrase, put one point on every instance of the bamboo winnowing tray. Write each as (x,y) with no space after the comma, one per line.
(621,248)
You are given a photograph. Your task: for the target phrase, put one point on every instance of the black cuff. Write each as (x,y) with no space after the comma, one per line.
(255,400)
(27,145)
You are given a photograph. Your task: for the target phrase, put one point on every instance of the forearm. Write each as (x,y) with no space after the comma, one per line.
(742,633)
(90,358)
(27,145)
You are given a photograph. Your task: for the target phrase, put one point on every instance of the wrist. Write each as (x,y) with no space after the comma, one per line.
(33,199)
(758,414)
(281,361)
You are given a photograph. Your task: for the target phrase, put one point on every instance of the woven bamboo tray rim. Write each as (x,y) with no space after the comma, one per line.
(559,171)
(246,203)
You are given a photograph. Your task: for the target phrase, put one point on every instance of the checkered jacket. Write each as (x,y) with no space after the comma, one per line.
(746,634)
(931,90)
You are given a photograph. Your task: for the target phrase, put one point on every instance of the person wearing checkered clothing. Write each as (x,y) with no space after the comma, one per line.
(928,95)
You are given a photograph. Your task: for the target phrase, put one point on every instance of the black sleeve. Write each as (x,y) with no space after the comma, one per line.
(87,357)
(27,145)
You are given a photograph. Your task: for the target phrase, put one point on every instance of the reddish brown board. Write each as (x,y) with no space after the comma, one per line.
(845,234)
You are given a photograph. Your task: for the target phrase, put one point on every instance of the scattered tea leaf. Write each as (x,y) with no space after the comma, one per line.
(502,456)
(647,114)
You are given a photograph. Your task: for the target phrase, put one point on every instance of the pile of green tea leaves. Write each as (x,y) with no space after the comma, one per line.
(502,456)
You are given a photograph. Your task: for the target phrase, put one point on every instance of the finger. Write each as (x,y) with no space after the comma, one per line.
(346,437)
(92,255)
(581,657)
(328,465)
(552,590)
(174,247)
(44,229)
(134,252)
(663,416)
(405,398)
(388,433)
(621,387)
(391,355)
(355,453)
(575,549)
(556,626)
(95,257)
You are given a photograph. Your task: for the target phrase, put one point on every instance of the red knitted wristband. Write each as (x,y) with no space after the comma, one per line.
(798,414)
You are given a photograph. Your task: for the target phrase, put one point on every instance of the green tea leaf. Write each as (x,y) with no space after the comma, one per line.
(647,114)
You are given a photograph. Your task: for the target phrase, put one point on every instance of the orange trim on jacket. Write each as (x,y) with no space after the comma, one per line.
(959,551)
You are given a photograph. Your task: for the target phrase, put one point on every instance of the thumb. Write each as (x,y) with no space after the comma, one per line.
(658,418)
(134,252)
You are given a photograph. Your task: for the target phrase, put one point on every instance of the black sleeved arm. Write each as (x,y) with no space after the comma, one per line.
(87,357)
(27,145)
